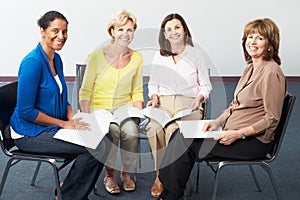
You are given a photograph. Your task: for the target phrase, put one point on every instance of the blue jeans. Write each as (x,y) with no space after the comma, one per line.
(86,167)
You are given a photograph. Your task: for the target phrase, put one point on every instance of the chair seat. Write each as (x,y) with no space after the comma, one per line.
(220,159)
(59,158)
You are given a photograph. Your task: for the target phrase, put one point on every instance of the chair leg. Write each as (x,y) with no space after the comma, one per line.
(95,190)
(5,174)
(267,168)
(140,156)
(138,164)
(254,178)
(57,182)
(216,181)
(139,160)
(189,185)
(37,169)
(198,178)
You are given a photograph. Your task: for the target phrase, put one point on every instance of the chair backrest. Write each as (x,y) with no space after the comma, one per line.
(284,119)
(80,69)
(8,100)
(205,104)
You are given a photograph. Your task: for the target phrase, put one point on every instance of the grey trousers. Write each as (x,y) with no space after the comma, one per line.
(86,168)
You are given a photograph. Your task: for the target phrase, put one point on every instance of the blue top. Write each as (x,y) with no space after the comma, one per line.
(38,92)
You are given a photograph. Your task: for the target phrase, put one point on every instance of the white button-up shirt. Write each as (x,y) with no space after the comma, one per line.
(188,77)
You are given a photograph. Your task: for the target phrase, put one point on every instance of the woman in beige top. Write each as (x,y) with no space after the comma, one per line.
(248,123)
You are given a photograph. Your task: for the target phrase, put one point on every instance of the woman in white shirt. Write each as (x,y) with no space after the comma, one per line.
(179,80)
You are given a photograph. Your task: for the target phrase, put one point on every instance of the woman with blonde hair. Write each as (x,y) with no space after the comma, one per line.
(113,78)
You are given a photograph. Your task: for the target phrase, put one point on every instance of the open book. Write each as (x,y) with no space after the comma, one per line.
(163,117)
(193,129)
(99,121)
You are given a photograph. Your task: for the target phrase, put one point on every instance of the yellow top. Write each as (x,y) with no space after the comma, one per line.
(107,87)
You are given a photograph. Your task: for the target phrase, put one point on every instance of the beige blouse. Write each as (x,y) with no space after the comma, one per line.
(258,101)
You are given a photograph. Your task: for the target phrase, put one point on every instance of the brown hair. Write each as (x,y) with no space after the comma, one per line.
(268,29)
(165,46)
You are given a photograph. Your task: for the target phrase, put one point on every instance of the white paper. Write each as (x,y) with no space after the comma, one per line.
(163,117)
(193,129)
(87,138)
(99,121)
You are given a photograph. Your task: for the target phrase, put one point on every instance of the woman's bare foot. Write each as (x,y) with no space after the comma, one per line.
(157,188)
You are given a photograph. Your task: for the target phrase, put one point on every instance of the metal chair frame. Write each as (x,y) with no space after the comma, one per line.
(8,97)
(217,164)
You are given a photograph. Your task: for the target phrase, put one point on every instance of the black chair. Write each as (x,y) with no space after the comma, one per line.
(217,164)
(8,98)
(80,69)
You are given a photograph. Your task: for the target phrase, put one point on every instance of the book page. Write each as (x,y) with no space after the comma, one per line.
(99,125)
(157,114)
(124,112)
(193,129)
(162,116)
(182,113)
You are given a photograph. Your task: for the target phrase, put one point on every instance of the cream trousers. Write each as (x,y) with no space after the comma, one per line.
(125,135)
(159,136)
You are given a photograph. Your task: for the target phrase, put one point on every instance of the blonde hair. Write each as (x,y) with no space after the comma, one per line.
(119,20)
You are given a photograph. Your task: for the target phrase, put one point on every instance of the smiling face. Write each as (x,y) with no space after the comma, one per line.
(123,35)
(55,35)
(256,45)
(174,31)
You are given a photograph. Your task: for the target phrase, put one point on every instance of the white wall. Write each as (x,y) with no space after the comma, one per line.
(216,25)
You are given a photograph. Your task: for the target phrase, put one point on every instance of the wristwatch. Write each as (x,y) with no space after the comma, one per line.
(243,136)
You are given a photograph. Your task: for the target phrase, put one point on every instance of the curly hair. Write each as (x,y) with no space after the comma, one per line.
(48,17)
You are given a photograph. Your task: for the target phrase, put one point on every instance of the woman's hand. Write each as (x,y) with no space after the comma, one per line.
(76,124)
(85,106)
(197,102)
(210,126)
(138,104)
(228,137)
(70,113)
(153,102)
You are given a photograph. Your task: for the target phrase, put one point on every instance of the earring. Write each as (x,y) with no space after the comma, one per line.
(269,49)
